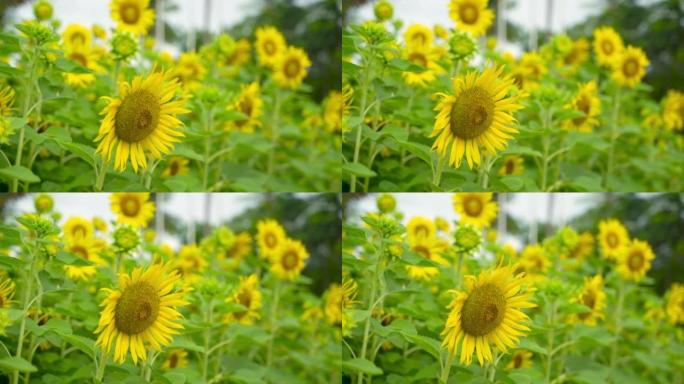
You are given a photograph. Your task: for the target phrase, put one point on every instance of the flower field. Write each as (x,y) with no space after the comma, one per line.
(83,108)
(430,300)
(435,108)
(88,300)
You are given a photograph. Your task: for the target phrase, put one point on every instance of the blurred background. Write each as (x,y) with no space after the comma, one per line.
(184,25)
(525,218)
(183,218)
(654,25)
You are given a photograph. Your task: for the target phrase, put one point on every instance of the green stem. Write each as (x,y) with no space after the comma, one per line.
(208,123)
(457,271)
(546,145)
(371,304)
(551,338)
(618,325)
(207,338)
(357,142)
(26,304)
(101,176)
(274,311)
(437,175)
(274,132)
(613,138)
(27,109)
(99,374)
(444,377)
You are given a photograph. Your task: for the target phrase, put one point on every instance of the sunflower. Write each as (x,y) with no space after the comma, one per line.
(248,295)
(587,102)
(270,44)
(475,208)
(77,36)
(6,293)
(6,100)
(176,358)
(289,259)
(579,53)
(478,115)
(333,111)
(177,166)
(635,260)
(142,119)
(240,55)
(133,208)
(592,297)
(418,36)
(77,227)
(534,64)
(522,78)
(673,110)
(242,246)
(142,311)
(420,227)
(534,260)
(613,238)
(333,304)
(189,70)
(87,249)
(471,15)
(190,260)
(270,235)
(520,359)
(85,58)
(383,10)
(430,248)
(291,67)
(487,312)
(442,224)
(512,165)
(423,57)
(583,249)
(607,45)
(629,67)
(248,103)
(675,304)
(132,15)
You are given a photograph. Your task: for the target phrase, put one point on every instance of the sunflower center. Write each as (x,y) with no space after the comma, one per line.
(607,47)
(246,107)
(483,310)
(270,240)
(289,260)
(81,251)
(78,38)
(130,207)
(129,13)
(137,116)
(636,261)
(510,166)
(422,250)
(589,299)
(612,240)
(472,113)
(173,360)
(292,68)
(137,308)
(269,47)
(468,13)
(419,38)
(583,105)
(418,59)
(174,168)
(421,231)
(473,207)
(79,58)
(79,230)
(630,67)
(517,361)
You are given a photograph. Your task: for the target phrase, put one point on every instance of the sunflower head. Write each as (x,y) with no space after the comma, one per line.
(132,15)
(430,248)
(177,166)
(423,59)
(673,110)
(383,10)
(587,102)
(291,67)
(126,238)
(250,104)
(420,227)
(43,10)
(270,236)
(77,227)
(593,297)
(512,165)
(675,304)
(124,45)
(176,358)
(475,208)
(471,15)
(270,45)
(613,238)
(386,203)
(248,295)
(520,359)
(86,249)
(607,45)
(418,36)
(635,260)
(77,36)
(629,67)
(132,208)
(289,259)
(43,203)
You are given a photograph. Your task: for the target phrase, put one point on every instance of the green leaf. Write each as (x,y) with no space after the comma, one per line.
(11,262)
(20,173)
(532,346)
(9,70)
(83,344)
(514,183)
(71,259)
(82,151)
(362,365)
(420,150)
(175,377)
(66,65)
(358,170)
(16,363)
(429,345)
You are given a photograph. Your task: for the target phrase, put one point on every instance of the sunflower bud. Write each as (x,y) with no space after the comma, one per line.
(383,10)
(38,33)
(224,237)
(39,226)
(43,203)
(124,46)
(461,46)
(386,203)
(42,9)
(467,238)
(126,238)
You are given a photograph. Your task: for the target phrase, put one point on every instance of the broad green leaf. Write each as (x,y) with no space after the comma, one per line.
(82,151)
(83,344)
(362,365)
(19,173)
(16,363)
(358,170)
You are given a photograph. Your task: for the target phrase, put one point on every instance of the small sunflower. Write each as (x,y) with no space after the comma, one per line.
(242,246)
(85,57)
(535,260)
(6,292)
(420,227)
(189,70)
(333,111)
(535,65)
(270,44)
(248,103)
(422,57)
(240,55)
(291,67)
(520,359)
(471,15)
(593,297)
(142,119)
(512,165)
(675,304)
(248,295)
(587,102)
(177,166)
(475,208)
(488,312)
(430,248)
(579,53)
(418,36)
(6,100)
(673,110)
(629,67)
(77,36)
(133,208)
(635,260)
(334,297)
(613,238)
(607,45)
(383,10)
(87,249)
(270,236)
(176,358)
(584,247)
(289,259)
(190,260)
(132,15)
(478,115)
(142,311)
(77,227)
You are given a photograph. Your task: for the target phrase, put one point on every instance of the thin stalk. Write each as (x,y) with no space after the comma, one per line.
(618,325)
(99,374)
(613,137)
(371,304)
(274,132)
(457,270)
(551,338)
(546,145)
(437,175)
(101,176)
(208,123)
(444,377)
(274,310)
(207,338)
(25,114)
(408,129)
(22,327)
(357,141)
